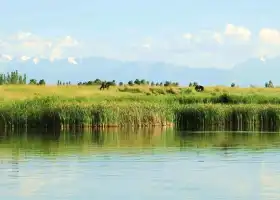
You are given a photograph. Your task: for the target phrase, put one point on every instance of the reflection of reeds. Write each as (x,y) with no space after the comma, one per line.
(128,140)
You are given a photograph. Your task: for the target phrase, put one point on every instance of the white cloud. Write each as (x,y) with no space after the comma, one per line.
(6,57)
(270,36)
(218,37)
(67,41)
(23,35)
(147,46)
(230,45)
(262,58)
(72,60)
(188,36)
(31,45)
(24,58)
(36,60)
(239,32)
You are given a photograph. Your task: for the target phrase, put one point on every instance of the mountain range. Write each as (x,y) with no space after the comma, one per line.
(254,71)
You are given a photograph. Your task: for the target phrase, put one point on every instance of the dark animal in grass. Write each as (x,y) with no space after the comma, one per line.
(199,88)
(105,85)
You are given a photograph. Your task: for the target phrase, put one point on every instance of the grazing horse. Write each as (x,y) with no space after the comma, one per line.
(105,85)
(199,88)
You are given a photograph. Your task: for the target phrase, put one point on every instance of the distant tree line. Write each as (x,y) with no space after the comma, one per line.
(63,83)
(130,83)
(14,78)
(136,82)
(21,79)
(96,82)
(144,82)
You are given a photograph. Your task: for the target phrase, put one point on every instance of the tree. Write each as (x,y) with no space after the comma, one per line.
(33,82)
(152,83)
(97,81)
(20,80)
(113,83)
(120,83)
(59,82)
(42,82)
(143,82)
(232,85)
(137,81)
(167,83)
(269,84)
(24,79)
(130,83)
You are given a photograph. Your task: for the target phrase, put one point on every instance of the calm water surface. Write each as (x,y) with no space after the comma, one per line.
(140,164)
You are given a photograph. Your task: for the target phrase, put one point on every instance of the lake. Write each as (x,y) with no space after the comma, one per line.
(139,164)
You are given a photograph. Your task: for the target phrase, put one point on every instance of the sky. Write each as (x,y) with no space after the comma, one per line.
(201,33)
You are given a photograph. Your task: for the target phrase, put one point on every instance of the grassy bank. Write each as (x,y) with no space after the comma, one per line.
(57,112)
(86,106)
(181,95)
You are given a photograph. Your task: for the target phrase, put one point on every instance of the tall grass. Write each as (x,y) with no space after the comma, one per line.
(69,113)
(53,112)
(80,106)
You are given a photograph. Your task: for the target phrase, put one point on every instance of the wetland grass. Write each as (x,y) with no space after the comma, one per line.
(73,107)
(70,113)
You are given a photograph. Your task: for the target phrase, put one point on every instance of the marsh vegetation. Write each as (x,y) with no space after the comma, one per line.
(137,104)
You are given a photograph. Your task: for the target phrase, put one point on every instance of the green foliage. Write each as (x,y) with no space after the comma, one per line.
(137,82)
(61,112)
(130,83)
(193,84)
(269,84)
(33,82)
(96,82)
(169,83)
(42,82)
(12,78)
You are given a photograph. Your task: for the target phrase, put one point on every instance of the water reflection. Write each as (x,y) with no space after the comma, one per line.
(117,139)
(149,163)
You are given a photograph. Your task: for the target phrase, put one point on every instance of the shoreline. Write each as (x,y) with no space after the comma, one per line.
(56,113)
(86,107)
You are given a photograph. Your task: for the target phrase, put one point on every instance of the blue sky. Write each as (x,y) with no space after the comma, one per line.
(217,33)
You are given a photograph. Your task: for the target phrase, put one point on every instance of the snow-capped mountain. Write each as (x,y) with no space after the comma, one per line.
(254,71)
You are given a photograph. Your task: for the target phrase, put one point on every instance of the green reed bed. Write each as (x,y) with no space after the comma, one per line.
(51,112)
(55,112)
(228,117)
